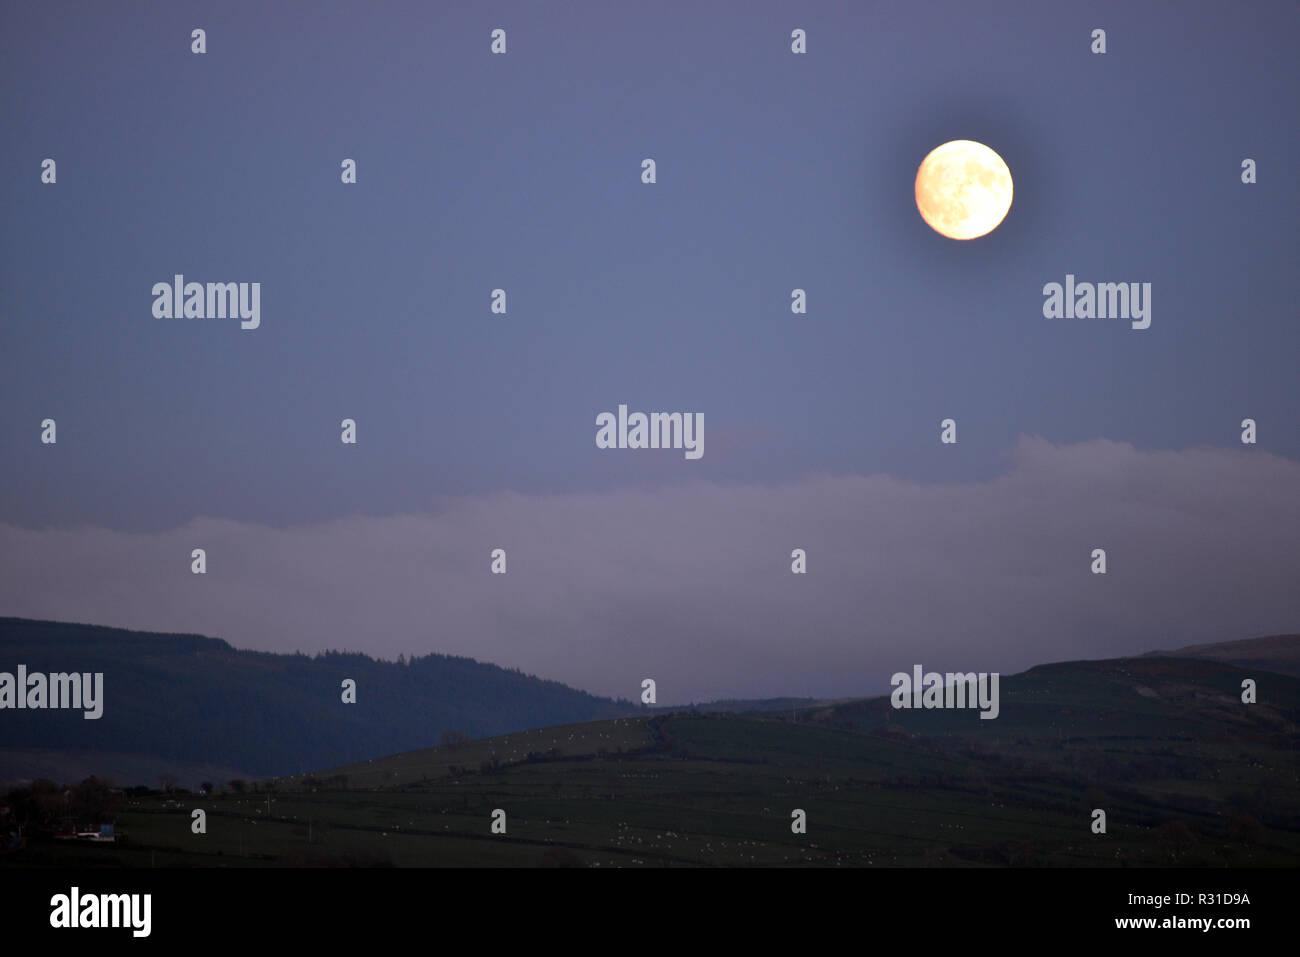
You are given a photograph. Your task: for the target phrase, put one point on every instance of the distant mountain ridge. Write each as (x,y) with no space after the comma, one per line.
(188,700)
(199,708)
(1276,653)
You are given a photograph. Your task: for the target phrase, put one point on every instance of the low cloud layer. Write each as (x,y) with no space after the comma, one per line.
(691,584)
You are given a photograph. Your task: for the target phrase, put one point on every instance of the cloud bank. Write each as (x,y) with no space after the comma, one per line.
(691,584)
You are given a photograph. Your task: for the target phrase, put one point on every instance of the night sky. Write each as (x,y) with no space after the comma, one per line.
(475,431)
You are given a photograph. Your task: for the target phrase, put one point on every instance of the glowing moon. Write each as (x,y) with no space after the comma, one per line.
(963,189)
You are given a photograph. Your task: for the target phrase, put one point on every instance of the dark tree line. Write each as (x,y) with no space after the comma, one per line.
(44,806)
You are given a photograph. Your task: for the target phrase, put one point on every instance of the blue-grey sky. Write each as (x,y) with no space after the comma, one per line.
(522,171)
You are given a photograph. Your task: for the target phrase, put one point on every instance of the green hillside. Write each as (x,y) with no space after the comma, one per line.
(1186,773)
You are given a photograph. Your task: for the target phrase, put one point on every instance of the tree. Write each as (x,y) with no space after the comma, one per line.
(93,801)
(168,782)
(237,785)
(454,739)
(37,805)
(205,787)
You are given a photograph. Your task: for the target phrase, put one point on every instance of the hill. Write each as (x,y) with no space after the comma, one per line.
(1279,653)
(196,705)
(1187,774)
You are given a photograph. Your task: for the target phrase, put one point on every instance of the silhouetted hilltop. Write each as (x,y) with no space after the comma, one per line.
(1277,653)
(197,700)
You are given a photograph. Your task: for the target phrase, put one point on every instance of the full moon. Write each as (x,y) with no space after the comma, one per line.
(963,189)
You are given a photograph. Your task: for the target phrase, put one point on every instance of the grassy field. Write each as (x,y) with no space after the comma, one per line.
(1187,775)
